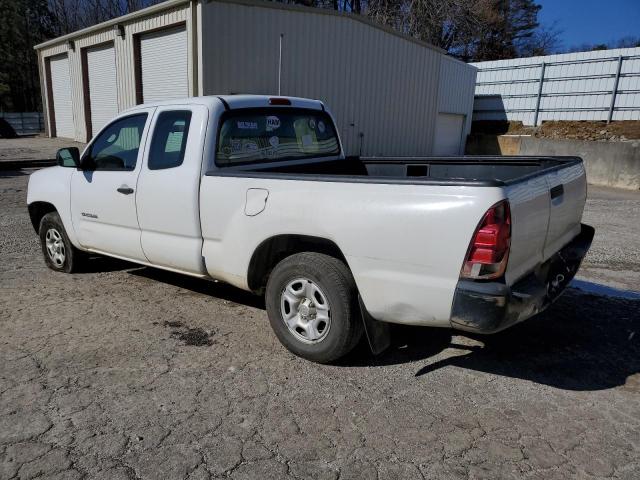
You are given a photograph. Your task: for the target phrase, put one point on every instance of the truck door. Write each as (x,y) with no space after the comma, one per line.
(103,192)
(169,188)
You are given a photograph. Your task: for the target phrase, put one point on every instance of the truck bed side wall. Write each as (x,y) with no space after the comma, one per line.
(404,243)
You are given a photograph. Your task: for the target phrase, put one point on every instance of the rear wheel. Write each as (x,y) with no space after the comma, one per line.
(312,306)
(59,253)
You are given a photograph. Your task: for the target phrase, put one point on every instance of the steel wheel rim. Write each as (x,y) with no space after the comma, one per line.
(55,247)
(305,310)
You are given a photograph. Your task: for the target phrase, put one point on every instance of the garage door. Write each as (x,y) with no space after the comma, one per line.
(61,95)
(449,128)
(163,62)
(103,93)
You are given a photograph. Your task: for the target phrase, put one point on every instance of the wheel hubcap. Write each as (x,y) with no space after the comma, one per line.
(55,247)
(305,310)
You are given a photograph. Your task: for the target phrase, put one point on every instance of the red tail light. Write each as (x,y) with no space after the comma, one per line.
(489,248)
(279,101)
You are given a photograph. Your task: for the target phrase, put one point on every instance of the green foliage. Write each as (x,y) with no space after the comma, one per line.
(24,23)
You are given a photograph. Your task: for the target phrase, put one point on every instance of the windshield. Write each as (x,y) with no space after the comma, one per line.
(272,134)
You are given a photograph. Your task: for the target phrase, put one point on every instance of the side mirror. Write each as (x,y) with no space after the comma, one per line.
(68,157)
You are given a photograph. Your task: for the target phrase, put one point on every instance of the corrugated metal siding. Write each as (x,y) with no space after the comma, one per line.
(576,86)
(457,79)
(125,71)
(373,81)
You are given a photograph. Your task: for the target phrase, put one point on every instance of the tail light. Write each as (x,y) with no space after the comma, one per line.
(489,248)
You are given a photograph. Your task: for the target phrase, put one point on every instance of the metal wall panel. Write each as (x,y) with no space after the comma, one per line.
(457,79)
(575,86)
(157,17)
(375,82)
(384,89)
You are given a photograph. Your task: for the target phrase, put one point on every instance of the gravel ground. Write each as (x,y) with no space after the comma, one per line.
(128,372)
(36,147)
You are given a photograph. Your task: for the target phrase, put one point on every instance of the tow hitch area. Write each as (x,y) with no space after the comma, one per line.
(488,307)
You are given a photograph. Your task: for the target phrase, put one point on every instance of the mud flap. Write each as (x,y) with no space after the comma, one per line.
(378,333)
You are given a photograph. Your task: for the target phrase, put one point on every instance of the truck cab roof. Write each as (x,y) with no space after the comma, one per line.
(240,101)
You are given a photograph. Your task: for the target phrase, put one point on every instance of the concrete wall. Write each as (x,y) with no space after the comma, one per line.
(613,164)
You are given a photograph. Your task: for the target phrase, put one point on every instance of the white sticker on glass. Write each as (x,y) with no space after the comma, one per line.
(321,126)
(273,123)
(250,147)
(248,125)
(307,140)
(274,141)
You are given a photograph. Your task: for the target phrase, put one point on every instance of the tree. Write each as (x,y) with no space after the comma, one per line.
(24,24)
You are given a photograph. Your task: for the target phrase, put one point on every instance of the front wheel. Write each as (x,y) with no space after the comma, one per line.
(59,253)
(312,305)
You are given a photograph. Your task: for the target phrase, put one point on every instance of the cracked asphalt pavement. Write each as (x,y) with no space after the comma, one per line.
(126,372)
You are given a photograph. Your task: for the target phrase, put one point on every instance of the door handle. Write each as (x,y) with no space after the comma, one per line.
(125,190)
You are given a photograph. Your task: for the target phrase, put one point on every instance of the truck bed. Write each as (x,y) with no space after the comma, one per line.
(463,170)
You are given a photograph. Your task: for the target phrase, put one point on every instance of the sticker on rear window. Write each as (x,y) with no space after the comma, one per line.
(307,141)
(274,141)
(321,126)
(251,147)
(248,125)
(236,145)
(273,123)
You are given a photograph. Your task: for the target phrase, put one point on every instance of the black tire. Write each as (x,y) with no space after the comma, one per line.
(73,258)
(336,282)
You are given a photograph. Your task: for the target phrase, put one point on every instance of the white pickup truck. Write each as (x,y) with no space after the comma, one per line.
(256,191)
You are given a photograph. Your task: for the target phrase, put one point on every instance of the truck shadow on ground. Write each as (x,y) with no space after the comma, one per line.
(582,342)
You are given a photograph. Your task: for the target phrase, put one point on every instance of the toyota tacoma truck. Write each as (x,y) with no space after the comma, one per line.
(256,191)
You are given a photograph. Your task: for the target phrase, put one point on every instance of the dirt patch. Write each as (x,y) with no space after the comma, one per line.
(195,337)
(575,130)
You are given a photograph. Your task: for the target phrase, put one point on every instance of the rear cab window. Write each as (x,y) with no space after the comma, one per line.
(274,134)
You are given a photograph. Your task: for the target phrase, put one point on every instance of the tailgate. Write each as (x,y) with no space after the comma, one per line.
(567,196)
(545,213)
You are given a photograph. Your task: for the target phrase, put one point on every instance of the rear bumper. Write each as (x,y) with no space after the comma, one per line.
(488,307)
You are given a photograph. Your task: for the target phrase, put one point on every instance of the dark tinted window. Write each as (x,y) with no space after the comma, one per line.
(169,140)
(116,147)
(272,134)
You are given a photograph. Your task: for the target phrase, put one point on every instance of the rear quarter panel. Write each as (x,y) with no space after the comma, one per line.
(405,244)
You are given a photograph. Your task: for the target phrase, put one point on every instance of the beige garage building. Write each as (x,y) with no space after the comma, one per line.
(390,94)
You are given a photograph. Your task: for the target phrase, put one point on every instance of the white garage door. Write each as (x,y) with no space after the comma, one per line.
(103,93)
(163,61)
(448,139)
(61,94)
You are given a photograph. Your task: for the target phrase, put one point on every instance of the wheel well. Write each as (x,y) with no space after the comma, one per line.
(277,248)
(37,210)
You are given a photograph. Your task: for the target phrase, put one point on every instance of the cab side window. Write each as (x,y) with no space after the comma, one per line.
(169,140)
(116,147)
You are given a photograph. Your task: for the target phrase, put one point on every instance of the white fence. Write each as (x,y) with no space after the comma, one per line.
(599,85)
(25,123)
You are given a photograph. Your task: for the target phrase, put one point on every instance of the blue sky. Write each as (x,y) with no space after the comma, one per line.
(591,21)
